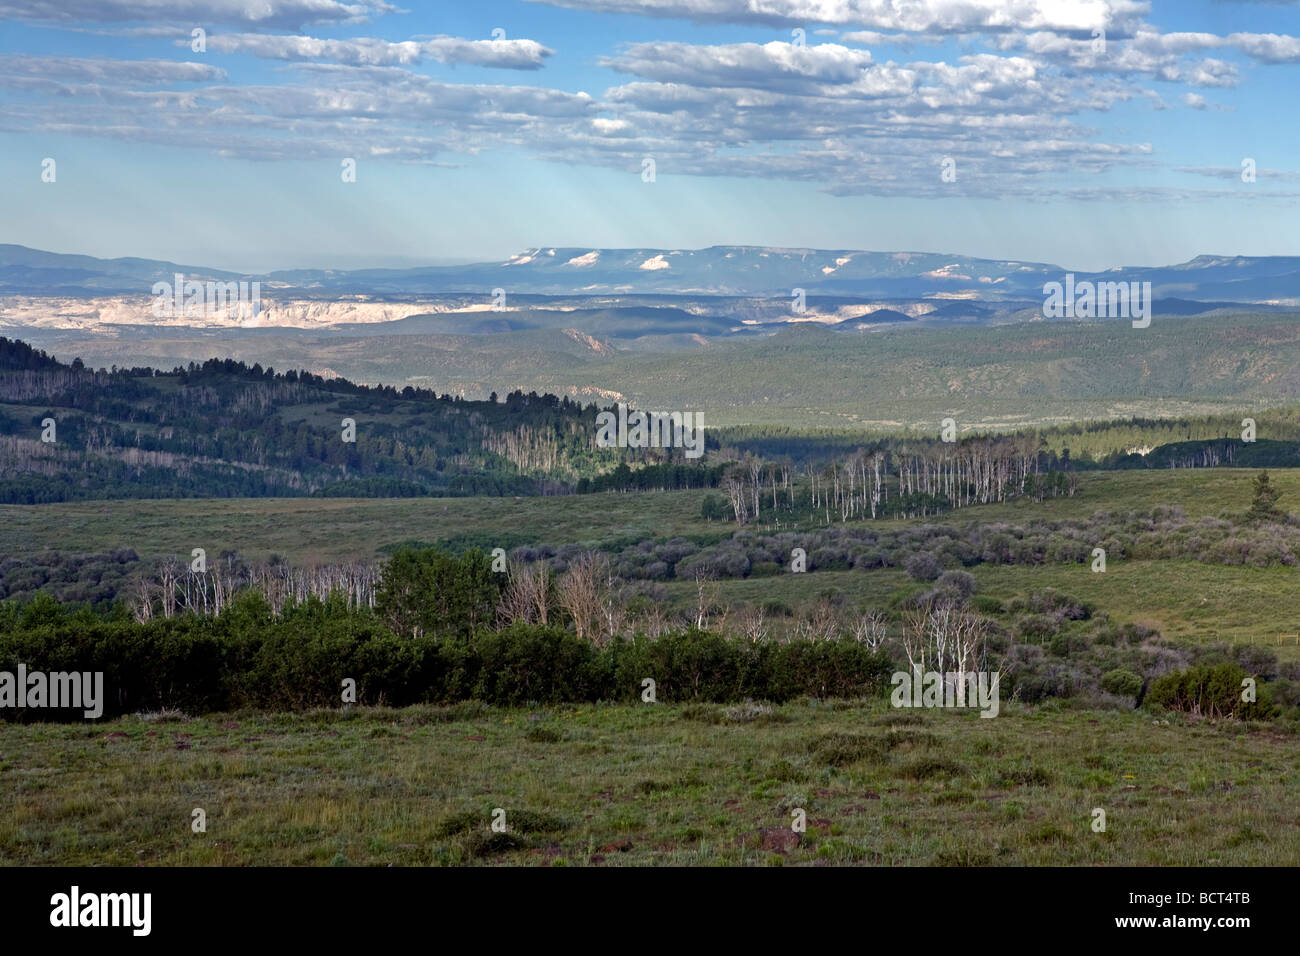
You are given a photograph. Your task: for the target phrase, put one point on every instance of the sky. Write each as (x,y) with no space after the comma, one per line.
(1088,134)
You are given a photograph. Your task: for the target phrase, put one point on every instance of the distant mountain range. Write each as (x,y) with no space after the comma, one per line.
(751,271)
(876,339)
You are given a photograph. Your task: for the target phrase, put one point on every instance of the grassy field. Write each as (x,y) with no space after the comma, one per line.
(307,530)
(329,529)
(650,784)
(670,783)
(1181,598)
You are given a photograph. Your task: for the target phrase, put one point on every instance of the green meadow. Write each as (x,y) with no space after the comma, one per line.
(1181,598)
(651,784)
(337,529)
(672,782)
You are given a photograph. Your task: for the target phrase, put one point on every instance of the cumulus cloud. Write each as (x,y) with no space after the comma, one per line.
(1156,56)
(918,16)
(1013,109)
(1148,50)
(370,51)
(902,40)
(262,14)
(772,66)
(825,114)
(1267,47)
(104,70)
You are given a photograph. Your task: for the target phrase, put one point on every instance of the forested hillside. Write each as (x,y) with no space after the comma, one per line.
(225,429)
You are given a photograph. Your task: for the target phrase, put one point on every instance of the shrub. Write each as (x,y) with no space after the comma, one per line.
(178,663)
(775,608)
(1286,692)
(1036,627)
(1061,606)
(296,667)
(830,559)
(1209,691)
(840,750)
(432,592)
(715,508)
(1066,644)
(686,665)
(923,566)
(1032,686)
(1259,661)
(955,585)
(526,663)
(1121,683)
(839,668)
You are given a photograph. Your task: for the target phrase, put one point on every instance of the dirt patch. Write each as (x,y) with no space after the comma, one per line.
(772,839)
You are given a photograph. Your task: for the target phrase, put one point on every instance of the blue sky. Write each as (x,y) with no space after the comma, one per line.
(1065,149)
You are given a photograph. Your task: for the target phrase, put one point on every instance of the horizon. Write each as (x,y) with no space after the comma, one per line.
(535,249)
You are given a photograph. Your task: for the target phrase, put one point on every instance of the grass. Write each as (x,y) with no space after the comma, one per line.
(647,785)
(1181,599)
(332,529)
(307,530)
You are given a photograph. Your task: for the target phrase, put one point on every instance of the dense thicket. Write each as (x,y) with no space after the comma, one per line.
(656,477)
(446,628)
(248,657)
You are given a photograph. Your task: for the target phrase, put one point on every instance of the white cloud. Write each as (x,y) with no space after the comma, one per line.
(1267,47)
(103,70)
(904,40)
(1146,53)
(1009,109)
(768,66)
(920,16)
(265,14)
(1234,173)
(370,51)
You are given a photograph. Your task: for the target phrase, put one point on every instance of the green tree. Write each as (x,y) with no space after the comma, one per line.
(1264,505)
(431,592)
